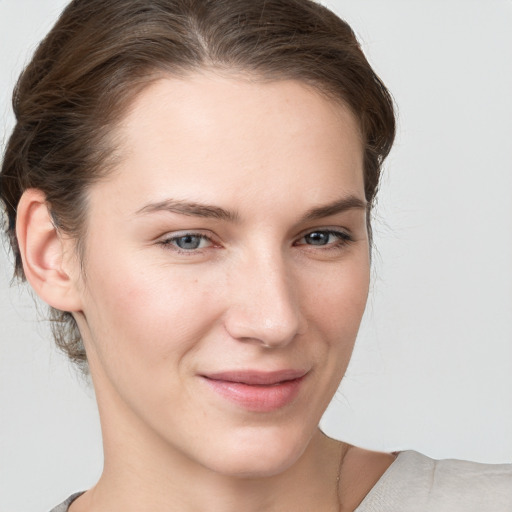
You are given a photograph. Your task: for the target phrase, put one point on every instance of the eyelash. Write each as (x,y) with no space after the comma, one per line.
(168,242)
(343,239)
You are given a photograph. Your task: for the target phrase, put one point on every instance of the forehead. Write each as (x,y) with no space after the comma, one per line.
(233,136)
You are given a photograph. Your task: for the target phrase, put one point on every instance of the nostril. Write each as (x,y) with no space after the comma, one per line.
(252,324)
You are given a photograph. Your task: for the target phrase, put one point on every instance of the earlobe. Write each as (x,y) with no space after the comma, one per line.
(43,253)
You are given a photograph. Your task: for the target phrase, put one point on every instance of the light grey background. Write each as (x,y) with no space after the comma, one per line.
(432,370)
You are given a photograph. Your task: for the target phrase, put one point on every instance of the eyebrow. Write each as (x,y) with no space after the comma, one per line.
(190,208)
(339,206)
(195,209)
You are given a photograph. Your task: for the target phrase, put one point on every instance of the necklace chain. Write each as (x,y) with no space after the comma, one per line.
(338,476)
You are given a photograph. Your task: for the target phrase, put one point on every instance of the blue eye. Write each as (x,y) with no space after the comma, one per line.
(187,242)
(318,238)
(325,237)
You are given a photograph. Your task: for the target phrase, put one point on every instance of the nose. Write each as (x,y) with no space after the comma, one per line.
(265,305)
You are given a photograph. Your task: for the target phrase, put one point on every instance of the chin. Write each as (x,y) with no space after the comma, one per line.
(257,454)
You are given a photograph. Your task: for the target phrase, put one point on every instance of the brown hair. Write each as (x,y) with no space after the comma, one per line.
(101,53)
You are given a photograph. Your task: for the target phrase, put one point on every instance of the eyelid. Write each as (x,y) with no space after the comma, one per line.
(168,239)
(343,235)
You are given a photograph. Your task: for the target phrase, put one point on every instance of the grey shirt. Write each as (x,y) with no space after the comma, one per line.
(415,483)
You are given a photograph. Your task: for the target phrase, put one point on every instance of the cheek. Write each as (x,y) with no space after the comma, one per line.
(145,328)
(150,314)
(337,302)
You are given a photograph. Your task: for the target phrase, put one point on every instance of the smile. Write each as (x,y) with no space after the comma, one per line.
(257,391)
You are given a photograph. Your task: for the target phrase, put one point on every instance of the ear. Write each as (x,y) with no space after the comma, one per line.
(48,261)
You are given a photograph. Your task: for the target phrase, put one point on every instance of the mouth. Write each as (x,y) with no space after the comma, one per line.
(255,390)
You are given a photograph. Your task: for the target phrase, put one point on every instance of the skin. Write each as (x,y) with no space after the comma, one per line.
(263,285)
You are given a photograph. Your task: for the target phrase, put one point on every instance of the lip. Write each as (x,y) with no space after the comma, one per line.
(256,390)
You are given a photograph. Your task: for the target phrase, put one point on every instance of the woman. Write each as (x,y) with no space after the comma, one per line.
(190,193)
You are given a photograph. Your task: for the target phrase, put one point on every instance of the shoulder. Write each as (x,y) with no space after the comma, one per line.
(480,486)
(415,482)
(64,506)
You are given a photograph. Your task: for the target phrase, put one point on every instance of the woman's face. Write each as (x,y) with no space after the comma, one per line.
(226,271)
